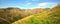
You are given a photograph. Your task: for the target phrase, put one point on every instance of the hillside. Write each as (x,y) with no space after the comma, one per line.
(51,16)
(12,14)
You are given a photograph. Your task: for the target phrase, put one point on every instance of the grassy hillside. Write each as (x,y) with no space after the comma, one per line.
(11,14)
(51,16)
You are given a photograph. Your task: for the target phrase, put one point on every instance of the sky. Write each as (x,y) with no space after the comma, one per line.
(29,4)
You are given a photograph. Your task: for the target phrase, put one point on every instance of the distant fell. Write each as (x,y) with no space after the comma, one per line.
(51,16)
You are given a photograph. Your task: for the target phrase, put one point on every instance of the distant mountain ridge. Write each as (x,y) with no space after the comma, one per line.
(51,16)
(12,14)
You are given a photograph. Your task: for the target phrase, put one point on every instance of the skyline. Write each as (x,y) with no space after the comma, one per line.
(29,4)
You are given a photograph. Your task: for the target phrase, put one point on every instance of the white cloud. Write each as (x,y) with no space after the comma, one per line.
(42,4)
(46,4)
(35,0)
(26,1)
(28,4)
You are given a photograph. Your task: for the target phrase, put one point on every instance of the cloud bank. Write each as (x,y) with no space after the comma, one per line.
(46,4)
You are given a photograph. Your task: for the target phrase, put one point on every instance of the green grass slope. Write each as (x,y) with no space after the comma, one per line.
(51,16)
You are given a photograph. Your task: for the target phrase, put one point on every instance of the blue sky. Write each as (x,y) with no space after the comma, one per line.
(29,4)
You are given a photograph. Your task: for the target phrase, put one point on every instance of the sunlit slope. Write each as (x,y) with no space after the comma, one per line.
(51,16)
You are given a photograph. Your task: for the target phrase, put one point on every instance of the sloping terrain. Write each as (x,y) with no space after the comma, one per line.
(11,14)
(51,16)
